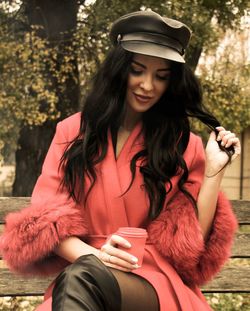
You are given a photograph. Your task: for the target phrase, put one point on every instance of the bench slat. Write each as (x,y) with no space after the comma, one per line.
(13,285)
(241,247)
(12,204)
(231,279)
(242,211)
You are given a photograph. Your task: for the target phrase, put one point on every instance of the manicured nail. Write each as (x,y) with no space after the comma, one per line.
(222,143)
(134,259)
(136,266)
(127,244)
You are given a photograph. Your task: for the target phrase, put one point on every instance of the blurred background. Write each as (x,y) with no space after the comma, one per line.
(49,49)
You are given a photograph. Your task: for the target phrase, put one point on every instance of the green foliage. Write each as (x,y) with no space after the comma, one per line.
(228,101)
(29,68)
(23,83)
(218,302)
(227,12)
(35,74)
(225,79)
(228,302)
(19,303)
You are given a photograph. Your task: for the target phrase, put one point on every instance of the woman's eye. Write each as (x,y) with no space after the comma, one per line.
(135,71)
(164,78)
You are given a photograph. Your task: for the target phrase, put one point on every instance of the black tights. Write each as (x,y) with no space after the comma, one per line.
(136,292)
(89,285)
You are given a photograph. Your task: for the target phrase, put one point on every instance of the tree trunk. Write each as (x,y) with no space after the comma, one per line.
(58,19)
(193,56)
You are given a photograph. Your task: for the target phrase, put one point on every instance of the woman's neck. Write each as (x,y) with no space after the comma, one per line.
(131,119)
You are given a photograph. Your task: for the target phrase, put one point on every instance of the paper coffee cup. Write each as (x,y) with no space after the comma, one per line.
(137,238)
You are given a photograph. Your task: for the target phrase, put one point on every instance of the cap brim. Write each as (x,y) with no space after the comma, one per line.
(152,49)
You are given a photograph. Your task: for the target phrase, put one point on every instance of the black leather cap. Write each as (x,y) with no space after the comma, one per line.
(146,32)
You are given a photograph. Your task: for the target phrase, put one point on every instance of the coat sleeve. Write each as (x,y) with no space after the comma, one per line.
(31,234)
(177,234)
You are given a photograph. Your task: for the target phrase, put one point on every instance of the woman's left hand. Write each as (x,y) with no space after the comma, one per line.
(117,258)
(216,159)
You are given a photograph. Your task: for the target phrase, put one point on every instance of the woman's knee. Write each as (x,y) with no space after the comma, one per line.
(89,274)
(88,267)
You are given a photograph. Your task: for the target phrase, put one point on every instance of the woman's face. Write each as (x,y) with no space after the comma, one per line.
(148,79)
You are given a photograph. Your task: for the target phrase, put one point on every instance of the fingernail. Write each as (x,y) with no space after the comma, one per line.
(218,138)
(222,143)
(134,259)
(127,244)
(136,266)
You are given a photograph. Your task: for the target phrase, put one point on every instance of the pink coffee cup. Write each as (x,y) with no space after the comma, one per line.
(137,238)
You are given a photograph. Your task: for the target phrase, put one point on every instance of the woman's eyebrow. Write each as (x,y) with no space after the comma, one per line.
(139,64)
(145,67)
(164,69)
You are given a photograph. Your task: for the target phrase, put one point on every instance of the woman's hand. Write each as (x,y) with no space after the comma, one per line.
(216,159)
(114,257)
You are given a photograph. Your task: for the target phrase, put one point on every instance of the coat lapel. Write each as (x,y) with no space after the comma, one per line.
(116,180)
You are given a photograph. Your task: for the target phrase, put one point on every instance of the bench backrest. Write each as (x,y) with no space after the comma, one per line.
(233,278)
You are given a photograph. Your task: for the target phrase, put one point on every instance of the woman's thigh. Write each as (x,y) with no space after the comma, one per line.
(136,292)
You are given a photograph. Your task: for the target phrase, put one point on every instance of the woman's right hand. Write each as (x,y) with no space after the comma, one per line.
(117,258)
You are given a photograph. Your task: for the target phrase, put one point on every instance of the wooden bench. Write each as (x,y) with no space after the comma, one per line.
(234,278)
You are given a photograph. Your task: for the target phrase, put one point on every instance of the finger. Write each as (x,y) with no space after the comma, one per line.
(235,142)
(119,253)
(237,151)
(122,263)
(118,240)
(222,134)
(115,261)
(107,260)
(220,128)
(227,138)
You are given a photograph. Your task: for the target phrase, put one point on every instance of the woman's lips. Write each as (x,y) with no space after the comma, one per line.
(141,98)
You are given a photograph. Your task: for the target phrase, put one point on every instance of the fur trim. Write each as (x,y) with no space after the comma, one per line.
(31,235)
(177,235)
(219,244)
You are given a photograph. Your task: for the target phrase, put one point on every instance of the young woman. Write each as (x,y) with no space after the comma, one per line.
(129,160)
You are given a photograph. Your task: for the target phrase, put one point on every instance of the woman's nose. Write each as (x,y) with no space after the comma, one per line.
(147,83)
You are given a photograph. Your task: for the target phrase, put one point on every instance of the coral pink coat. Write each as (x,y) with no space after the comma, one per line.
(177,260)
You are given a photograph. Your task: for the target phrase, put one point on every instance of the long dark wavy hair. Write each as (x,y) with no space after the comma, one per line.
(166,130)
